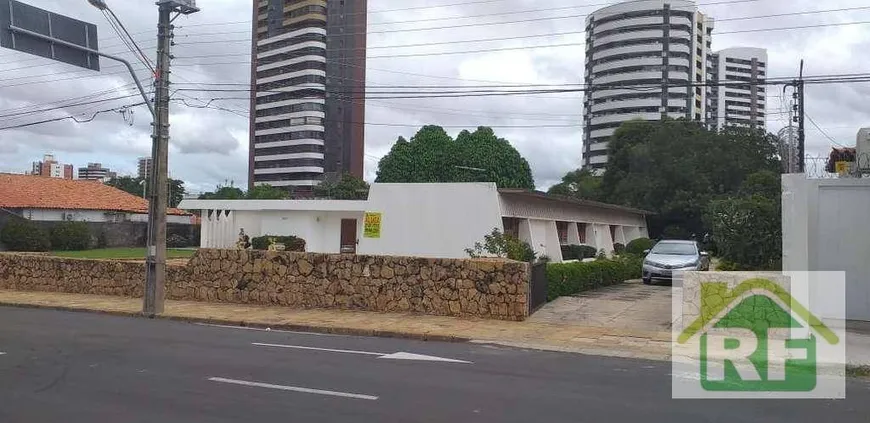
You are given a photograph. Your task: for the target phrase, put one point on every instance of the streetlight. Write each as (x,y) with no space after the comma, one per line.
(99,4)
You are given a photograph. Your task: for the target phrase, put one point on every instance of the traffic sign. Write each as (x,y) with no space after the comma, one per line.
(77,43)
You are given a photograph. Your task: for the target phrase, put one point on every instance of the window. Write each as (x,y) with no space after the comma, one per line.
(581,230)
(562,230)
(511,226)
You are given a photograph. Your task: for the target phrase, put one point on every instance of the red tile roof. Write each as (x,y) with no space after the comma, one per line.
(39,192)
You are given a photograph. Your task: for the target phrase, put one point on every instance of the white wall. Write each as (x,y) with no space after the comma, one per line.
(432,220)
(55,215)
(824,228)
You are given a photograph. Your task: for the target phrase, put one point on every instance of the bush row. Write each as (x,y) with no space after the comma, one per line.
(291,243)
(572,278)
(578,252)
(24,235)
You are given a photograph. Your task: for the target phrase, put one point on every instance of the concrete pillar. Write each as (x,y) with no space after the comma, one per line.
(573,234)
(590,235)
(631,233)
(619,235)
(552,246)
(603,239)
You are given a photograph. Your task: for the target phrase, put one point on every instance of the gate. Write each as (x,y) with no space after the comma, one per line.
(537,287)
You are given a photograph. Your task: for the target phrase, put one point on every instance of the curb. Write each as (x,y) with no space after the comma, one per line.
(241,323)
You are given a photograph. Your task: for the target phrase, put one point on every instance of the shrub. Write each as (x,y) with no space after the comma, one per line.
(24,235)
(291,242)
(177,241)
(638,246)
(747,231)
(578,252)
(70,236)
(618,248)
(572,278)
(501,245)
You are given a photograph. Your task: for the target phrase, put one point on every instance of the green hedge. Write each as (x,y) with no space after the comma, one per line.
(639,245)
(24,235)
(291,243)
(572,278)
(578,252)
(70,236)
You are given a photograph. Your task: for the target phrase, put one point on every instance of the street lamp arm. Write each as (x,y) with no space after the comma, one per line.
(30,33)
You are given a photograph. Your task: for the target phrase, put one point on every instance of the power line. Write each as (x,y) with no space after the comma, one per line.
(822,130)
(68,105)
(89,119)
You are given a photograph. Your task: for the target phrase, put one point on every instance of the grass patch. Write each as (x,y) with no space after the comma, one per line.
(121,253)
(858,371)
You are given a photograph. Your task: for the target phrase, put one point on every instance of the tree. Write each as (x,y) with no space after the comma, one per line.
(747,231)
(580,183)
(433,156)
(224,192)
(347,187)
(139,187)
(675,168)
(267,192)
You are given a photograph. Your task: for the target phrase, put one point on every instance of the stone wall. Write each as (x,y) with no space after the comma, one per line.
(485,288)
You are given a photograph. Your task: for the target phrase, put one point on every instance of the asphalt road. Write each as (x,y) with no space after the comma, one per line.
(75,367)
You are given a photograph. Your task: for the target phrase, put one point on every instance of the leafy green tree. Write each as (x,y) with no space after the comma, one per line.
(224,192)
(747,231)
(136,186)
(347,187)
(580,183)
(766,184)
(433,156)
(675,168)
(267,192)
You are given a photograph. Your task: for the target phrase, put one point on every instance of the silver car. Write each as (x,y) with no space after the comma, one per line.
(670,256)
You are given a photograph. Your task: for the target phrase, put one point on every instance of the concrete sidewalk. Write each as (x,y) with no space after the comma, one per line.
(566,337)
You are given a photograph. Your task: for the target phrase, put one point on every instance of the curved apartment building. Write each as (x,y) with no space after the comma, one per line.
(644,60)
(307,96)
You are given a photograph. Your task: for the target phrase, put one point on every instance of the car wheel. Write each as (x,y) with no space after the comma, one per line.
(647,281)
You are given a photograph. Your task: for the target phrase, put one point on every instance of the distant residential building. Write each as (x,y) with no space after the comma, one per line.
(55,199)
(308,91)
(49,167)
(96,172)
(733,103)
(145,167)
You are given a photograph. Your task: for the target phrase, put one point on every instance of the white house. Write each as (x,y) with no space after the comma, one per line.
(48,199)
(426,220)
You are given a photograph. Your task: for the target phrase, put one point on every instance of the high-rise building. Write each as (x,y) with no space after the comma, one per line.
(49,167)
(96,172)
(144,167)
(733,103)
(646,60)
(308,91)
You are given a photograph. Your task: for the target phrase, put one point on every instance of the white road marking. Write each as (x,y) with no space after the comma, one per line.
(294,389)
(390,356)
(2,353)
(420,357)
(266,329)
(299,347)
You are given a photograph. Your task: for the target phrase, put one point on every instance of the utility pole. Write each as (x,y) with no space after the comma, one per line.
(802,116)
(155,269)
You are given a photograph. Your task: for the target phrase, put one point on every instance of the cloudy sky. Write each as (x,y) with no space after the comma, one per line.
(209,146)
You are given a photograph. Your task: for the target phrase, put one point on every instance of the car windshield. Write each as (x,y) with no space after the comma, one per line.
(674,248)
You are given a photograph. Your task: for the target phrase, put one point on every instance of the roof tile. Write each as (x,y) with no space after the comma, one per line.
(39,192)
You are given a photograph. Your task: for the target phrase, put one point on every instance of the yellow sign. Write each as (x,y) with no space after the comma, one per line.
(372,226)
(843,167)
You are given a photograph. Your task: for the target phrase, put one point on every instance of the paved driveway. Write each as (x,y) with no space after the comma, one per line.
(631,305)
